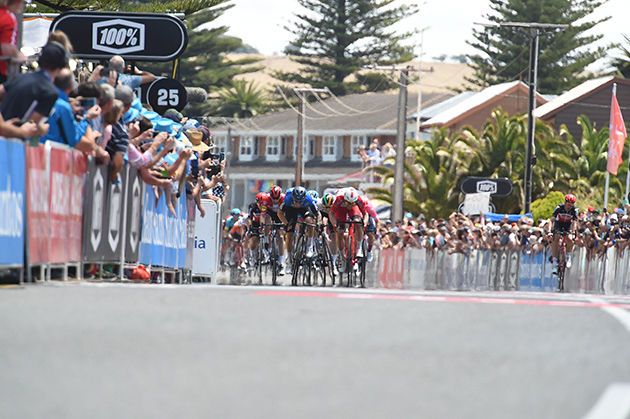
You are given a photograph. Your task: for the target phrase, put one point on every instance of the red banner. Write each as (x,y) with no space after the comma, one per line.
(38,204)
(392,268)
(75,219)
(60,203)
(617,137)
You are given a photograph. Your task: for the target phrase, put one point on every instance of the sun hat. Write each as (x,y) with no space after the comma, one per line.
(163,125)
(196,138)
(130,115)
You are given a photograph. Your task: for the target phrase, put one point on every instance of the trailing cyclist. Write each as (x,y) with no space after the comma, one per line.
(324,205)
(255,211)
(298,202)
(235,234)
(271,203)
(228,223)
(562,220)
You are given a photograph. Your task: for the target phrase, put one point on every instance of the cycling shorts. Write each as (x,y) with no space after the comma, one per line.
(254,229)
(371,226)
(292,215)
(274,217)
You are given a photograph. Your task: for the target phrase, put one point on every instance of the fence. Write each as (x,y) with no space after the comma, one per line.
(59,210)
(484,270)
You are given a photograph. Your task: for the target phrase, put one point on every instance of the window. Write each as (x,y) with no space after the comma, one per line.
(329,148)
(221,144)
(274,148)
(356,142)
(246,151)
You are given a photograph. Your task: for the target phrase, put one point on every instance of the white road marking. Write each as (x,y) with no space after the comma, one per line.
(614,403)
(622,315)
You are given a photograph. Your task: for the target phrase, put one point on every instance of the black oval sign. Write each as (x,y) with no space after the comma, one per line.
(496,186)
(134,36)
(165,94)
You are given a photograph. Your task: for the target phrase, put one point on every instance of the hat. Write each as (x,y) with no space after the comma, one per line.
(163,125)
(205,132)
(408,215)
(191,124)
(613,217)
(173,114)
(136,104)
(591,209)
(130,115)
(620,211)
(196,138)
(125,94)
(149,114)
(53,56)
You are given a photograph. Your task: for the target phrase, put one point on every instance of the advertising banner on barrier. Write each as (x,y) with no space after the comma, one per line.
(392,268)
(12,202)
(191,214)
(157,252)
(60,182)
(75,219)
(207,238)
(148,214)
(38,204)
(134,216)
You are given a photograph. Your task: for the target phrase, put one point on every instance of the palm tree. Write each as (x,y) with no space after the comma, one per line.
(242,100)
(622,64)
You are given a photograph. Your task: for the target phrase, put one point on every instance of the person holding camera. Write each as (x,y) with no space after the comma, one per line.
(119,74)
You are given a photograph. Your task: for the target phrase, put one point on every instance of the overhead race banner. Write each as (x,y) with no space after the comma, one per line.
(12,202)
(134,36)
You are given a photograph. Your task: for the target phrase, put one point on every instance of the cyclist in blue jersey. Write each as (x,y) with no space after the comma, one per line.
(298,203)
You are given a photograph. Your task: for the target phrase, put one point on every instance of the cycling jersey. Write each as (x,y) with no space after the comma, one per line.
(292,211)
(254,212)
(268,206)
(564,217)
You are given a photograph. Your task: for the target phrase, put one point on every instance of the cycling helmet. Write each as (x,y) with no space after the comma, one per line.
(313,193)
(236,211)
(299,194)
(328,200)
(351,195)
(276,191)
(570,198)
(260,196)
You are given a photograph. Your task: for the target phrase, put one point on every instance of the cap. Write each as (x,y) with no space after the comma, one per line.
(177,116)
(53,56)
(205,132)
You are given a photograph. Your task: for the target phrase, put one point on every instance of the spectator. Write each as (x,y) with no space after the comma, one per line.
(35,92)
(119,142)
(61,38)
(63,125)
(8,35)
(130,76)
(374,155)
(388,151)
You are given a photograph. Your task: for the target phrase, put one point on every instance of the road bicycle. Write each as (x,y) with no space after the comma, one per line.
(562,259)
(306,269)
(273,263)
(236,261)
(354,266)
(324,255)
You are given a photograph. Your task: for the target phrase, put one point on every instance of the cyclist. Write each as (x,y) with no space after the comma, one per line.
(228,223)
(324,205)
(298,202)
(344,209)
(270,206)
(562,220)
(236,234)
(255,211)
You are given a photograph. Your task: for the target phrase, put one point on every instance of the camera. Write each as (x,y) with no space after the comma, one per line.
(208,155)
(88,102)
(194,168)
(105,71)
(213,170)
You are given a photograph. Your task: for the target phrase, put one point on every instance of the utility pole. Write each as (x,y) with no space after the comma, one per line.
(533,31)
(301,93)
(399,170)
(420,83)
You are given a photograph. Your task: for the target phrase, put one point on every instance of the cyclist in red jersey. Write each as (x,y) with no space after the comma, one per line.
(562,220)
(269,214)
(347,207)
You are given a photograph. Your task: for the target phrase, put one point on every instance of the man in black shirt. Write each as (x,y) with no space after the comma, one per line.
(562,220)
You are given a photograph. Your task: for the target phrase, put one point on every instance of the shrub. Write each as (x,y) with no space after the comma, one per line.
(543,208)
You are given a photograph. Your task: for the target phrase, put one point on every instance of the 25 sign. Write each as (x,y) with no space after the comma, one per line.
(165,93)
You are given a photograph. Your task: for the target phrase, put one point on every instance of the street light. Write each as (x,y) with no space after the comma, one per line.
(535,30)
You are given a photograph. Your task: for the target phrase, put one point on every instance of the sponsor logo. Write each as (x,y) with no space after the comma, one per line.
(118,36)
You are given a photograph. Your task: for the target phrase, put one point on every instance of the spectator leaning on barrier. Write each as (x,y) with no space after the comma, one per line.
(9,35)
(64,127)
(119,142)
(35,90)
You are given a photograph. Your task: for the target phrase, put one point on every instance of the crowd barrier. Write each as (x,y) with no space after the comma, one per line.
(59,210)
(497,270)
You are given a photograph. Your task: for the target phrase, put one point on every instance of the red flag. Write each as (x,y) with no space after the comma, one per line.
(617,137)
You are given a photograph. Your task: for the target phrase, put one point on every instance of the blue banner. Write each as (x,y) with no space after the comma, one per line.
(12,202)
(157,251)
(148,214)
(182,230)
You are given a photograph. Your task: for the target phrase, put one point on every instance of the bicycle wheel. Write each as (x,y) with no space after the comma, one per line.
(350,252)
(362,265)
(326,261)
(259,261)
(273,258)
(297,259)
(561,269)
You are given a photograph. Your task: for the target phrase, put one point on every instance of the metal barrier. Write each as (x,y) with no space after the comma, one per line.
(484,270)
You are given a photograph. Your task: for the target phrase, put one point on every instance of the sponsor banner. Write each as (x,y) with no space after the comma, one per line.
(134,215)
(417,265)
(157,251)
(75,219)
(114,220)
(207,238)
(392,267)
(60,182)
(171,234)
(94,212)
(12,202)
(191,225)
(38,204)
(148,215)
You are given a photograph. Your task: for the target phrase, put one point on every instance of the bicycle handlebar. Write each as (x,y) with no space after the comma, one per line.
(308,224)
(274,225)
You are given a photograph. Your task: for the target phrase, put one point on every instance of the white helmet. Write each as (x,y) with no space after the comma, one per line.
(351,195)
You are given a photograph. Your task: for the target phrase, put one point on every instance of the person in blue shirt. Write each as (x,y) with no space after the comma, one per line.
(64,127)
(298,203)
(118,74)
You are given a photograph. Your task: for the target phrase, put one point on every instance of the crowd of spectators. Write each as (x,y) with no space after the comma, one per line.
(102,117)
(375,154)
(596,231)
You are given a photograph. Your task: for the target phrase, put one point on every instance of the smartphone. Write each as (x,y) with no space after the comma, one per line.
(105,71)
(88,102)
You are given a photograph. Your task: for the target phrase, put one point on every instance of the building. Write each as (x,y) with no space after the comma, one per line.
(262,150)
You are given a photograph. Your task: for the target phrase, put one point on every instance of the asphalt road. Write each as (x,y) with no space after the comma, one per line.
(86,350)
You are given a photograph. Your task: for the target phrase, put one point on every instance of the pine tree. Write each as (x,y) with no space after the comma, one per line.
(562,57)
(339,37)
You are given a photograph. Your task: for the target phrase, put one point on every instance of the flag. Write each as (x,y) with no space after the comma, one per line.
(617,137)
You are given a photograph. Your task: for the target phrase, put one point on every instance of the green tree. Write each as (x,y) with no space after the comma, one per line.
(336,38)
(242,100)
(563,55)
(622,62)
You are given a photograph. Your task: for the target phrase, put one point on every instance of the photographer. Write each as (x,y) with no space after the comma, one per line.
(119,74)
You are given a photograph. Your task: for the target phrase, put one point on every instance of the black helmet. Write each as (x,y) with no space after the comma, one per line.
(299,193)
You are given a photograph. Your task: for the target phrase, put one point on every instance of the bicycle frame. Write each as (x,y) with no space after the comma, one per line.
(350,256)
(562,259)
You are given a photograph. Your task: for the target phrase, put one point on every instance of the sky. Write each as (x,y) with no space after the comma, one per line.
(448,23)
